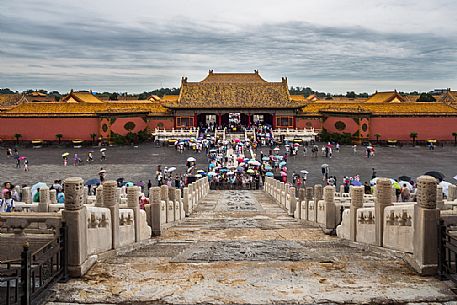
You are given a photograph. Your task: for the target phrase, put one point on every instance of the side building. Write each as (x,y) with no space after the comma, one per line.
(219,97)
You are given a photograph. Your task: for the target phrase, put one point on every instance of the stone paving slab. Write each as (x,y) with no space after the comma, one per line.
(205,262)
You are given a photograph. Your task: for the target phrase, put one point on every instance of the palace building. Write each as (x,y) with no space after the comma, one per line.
(219,99)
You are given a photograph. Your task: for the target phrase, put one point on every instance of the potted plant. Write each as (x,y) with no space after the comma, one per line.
(413,135)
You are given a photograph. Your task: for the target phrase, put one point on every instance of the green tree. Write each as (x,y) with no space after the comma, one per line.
(426,98)
(93,136)
(113,96)
(350,94)
(17,136)
(59,137)
(454,134)
(377,137)
(413,135)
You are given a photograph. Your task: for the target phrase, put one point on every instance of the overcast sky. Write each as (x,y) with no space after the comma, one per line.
(137,45)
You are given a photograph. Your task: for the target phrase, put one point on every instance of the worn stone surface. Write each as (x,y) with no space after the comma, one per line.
(256,255)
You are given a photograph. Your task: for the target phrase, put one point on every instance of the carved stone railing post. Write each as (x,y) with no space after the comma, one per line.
(99,196)
(292,206)
(75,216)
(110,201)
(356,203)
(53,196)
(308,197)
(43,205)
(452,192)
(156,214)
(164,204)
(26,195)
(190,200)
(383,199)
(341,189)
(179,208)
(185,201)
(330,209)
(318,192)
(171,214)
(301,198)
(133,202)
(426,217)
(439,197)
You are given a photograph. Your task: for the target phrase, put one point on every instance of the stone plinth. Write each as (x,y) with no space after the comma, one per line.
(356,203)
(154,199)
(43,205)
(99,196)
(53,196)
(171,205)
(330,209)
(110,200)
(301,198)
(26,195)
(292,206)
(452,192)
(383,199)
(75,216)
(426,217)
(318,192)
(133,202)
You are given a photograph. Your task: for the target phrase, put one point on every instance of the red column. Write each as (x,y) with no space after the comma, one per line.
(249,120)
(219,119)
(195,120)
(294,120)
(274,121)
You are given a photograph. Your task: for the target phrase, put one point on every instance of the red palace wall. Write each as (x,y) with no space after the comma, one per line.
(438,128)
(118,126)
(306,123)
(165,123)
(47,128)
(351,125)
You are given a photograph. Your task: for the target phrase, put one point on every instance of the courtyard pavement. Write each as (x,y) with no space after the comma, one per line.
(239,247)
(135,164)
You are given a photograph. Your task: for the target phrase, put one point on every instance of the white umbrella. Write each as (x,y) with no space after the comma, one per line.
(455,177)
(408,185)
(276,149)
(103,149)
(445,186)
(171,169)
(304,172)
(191,159)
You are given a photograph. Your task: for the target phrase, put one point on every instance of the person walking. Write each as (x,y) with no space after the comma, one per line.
(26,165)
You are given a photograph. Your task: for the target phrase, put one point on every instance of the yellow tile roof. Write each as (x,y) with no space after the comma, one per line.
(298,98)
(406,108)
(170,98)
(233,78)
(82,109)
(10,100)
(384,97)
(233,90)
(81,97)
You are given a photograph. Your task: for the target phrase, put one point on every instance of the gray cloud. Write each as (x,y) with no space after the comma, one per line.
(103,54)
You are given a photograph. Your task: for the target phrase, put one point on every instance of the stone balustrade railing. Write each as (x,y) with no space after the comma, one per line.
(110,221)
(162,134)
(410,227)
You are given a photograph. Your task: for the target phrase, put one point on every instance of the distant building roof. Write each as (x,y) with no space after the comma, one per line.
(81,97)
(83,109)
(404,108)
(385,97)
(233,90)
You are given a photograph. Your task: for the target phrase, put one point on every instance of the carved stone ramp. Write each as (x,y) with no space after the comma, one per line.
(238,247)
